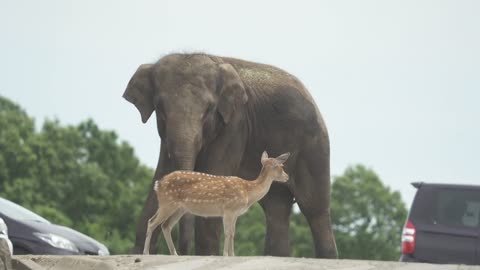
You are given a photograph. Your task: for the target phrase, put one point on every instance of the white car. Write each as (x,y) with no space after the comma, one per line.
(4,235)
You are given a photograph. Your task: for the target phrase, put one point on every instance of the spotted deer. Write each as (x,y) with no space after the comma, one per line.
(209,195)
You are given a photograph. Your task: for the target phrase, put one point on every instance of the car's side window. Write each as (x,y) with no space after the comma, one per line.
(472,215)
(458,208)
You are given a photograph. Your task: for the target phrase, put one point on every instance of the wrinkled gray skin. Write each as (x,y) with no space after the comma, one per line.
(217,115)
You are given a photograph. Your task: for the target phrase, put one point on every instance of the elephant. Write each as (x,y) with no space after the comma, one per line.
(217,115)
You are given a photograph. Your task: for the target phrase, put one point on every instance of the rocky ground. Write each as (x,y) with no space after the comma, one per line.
(154,262)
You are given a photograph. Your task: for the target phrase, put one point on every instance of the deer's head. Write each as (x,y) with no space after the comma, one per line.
(274,166)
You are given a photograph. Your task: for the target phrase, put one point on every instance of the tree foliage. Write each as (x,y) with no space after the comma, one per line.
(78,176)
(367,216)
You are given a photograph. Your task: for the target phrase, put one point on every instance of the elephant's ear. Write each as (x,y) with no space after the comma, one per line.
(139,91)
(232,92)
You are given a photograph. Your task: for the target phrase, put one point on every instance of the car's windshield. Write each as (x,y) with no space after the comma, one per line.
(17,212)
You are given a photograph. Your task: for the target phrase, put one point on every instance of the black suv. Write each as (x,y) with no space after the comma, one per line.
(443,225)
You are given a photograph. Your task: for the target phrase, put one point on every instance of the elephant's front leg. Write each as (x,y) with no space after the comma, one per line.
(207,235)
(219,160)
(164,166)
(208,230)
(277,206)
(223,156)
(186,227)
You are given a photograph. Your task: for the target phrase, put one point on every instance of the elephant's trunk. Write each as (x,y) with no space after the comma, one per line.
(184,143)
(184,162)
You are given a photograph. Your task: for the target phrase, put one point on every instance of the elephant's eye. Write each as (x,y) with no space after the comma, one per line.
(161,126)
(208,111)
(160,111)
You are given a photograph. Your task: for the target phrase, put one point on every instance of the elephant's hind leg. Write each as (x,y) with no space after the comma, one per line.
(277,206)
(312,193)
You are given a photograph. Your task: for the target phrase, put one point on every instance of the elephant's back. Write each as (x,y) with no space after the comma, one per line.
(276,94)
(263,77)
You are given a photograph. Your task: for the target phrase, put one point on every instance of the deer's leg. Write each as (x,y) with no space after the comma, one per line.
(231,251)
(277,206)
(167,229)
(229,230)
(149,210)
(150,228)
(164,166)
(163,212)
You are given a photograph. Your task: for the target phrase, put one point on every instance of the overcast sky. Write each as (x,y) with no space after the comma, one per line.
(398,82)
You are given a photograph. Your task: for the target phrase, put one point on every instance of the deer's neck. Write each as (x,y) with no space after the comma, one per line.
(260,186)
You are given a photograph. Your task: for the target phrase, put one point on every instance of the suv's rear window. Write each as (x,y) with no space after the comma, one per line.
(446,206)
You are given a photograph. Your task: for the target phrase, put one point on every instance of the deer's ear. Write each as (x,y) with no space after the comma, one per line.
(282,158)
(264,157)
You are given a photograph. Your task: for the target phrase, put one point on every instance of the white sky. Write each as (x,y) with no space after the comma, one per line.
(398,82)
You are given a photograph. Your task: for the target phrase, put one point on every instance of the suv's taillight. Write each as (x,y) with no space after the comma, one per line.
(408,238)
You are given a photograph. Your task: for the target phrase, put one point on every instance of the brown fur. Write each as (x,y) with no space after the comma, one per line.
(209,195)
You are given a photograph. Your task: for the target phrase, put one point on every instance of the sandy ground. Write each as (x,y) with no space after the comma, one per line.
(164,262)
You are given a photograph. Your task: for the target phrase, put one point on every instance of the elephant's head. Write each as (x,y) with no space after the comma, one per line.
(194,96)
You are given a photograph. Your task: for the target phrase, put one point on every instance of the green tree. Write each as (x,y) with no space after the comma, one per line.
(367,216)
(16,155)
(77,175)
(250,232)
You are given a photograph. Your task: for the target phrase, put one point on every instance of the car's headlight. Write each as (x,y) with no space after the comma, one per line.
(103,251)
(3,228)
(57,241)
